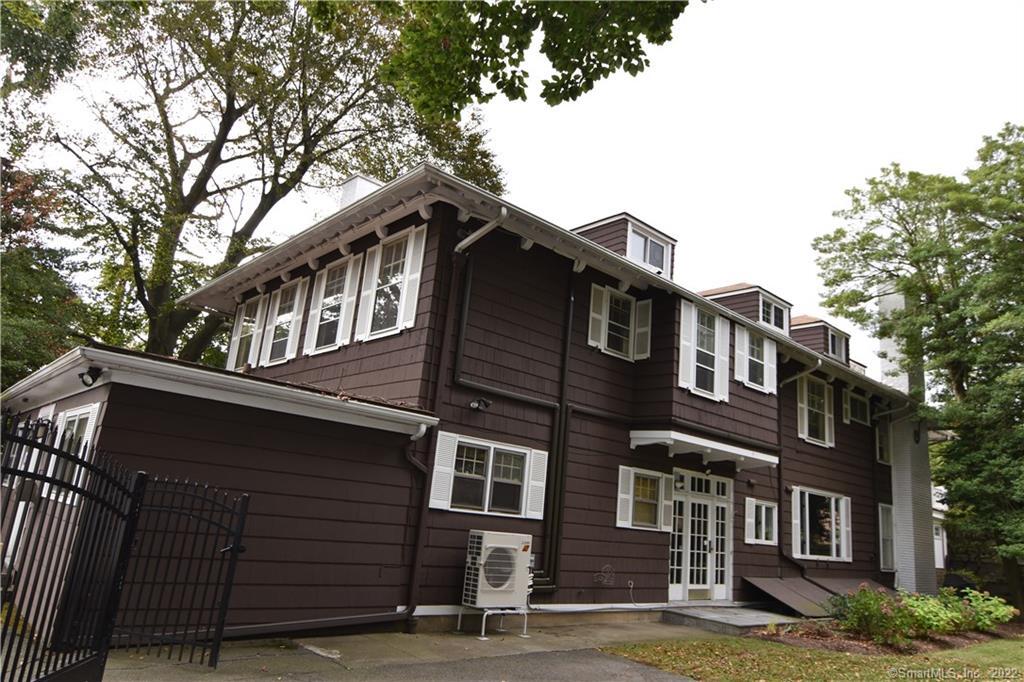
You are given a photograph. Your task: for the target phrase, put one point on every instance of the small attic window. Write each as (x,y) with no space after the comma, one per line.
(774,313)
(647,249)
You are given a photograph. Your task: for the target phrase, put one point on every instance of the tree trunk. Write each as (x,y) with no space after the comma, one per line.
(1014,582)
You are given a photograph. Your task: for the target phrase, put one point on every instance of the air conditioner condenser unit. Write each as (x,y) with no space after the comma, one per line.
(497,570)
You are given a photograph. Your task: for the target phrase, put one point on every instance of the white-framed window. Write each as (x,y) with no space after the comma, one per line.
(284,319)
(886,532)
(815,419)
(645,500)
(837,345)
(391,284)
(883,443)
(761,522)
(619,325)
(755,361)
(821,525)
(478,476)
(644,247)
(773,313)
(75,428)
(703,352)
(856,408)
(245,334)
(332,310)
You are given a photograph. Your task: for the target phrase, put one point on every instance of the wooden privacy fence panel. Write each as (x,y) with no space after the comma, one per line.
(182,567)
(69,518)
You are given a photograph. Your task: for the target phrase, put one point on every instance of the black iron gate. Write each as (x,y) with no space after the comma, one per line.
(68,523)
(182,568)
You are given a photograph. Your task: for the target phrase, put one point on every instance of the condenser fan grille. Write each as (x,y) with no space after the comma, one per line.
(499,567)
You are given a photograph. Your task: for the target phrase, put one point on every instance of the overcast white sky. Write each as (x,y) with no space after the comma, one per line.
(742,136)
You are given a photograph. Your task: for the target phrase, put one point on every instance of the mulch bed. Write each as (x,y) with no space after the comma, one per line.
(826,635)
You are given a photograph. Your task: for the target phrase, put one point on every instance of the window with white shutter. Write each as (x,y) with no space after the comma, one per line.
(761,522)
(703,352)
(815,405)
(391,284)
(619,324)
(283,322)
(333,305)
(75,429)
(644,500)
(245,334)
(483,477)
(755,360)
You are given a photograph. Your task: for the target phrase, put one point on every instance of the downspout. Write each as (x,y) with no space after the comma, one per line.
(482,231)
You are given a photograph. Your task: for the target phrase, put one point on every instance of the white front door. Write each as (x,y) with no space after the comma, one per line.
(700,555)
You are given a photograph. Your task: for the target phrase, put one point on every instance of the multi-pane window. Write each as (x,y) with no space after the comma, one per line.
(816,410)
(823,524)
(882,449)
(73,435)
(329,319)
(246,332)
(761,522)
(705,351)
(836,345)
(388,293)
(755,359)
(620,324)
(284,319)
(856,408)
(645,500)
(772,313)
(886,557)
(488,478)
(647,249)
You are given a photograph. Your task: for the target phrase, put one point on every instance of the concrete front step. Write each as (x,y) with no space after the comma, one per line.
(725,620)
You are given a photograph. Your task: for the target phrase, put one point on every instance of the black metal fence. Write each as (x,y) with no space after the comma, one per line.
(69,519)
(183,564)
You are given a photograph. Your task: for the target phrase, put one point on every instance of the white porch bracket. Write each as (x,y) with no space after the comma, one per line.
(710,450)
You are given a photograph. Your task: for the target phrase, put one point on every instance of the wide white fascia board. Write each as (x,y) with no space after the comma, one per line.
(711,450)
(54,381)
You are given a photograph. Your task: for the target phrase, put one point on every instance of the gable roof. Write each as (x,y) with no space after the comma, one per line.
(425,185)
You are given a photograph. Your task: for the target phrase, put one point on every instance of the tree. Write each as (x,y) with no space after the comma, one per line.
(43,316)
(206,114)
(954,248)
(448,49)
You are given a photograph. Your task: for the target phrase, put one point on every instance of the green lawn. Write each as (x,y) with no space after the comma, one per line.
(743,658)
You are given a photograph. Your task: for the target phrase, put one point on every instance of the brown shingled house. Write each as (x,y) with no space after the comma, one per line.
(522,378)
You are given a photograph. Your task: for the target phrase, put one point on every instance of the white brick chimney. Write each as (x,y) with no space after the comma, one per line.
(355,187)
(911,473)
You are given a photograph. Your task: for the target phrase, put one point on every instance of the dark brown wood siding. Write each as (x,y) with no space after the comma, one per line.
(815,338)
(612,236)
(331,522)
(747,304)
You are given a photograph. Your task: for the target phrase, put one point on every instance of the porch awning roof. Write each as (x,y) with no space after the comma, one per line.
(710,450)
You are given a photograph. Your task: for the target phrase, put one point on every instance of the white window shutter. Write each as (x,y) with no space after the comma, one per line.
(642,335)
(258,330)
(846,406)
(749,525)
(348,312)
(268,326)
(722,359)
(771,377)
(667,485)
(413,274)
(830,425)
(596,332)
(235,329)
(741,354)
(624,510)
(847,549)
(297,314)
(795,508)
(801,407)
(538,484)
(444,470)
(366,296)
(90,429)
(775,525)
(312,326)
(687,320)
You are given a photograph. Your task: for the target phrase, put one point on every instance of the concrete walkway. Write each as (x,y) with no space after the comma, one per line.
(551,653)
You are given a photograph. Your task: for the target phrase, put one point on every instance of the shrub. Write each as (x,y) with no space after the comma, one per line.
(986,611)
(875,614)
(933,615)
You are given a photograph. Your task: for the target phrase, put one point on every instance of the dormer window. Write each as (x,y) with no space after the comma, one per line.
(645,248)
(774,313)
(837,345)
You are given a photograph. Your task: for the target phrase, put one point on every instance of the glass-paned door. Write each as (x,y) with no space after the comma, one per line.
(719,550)
(699,545)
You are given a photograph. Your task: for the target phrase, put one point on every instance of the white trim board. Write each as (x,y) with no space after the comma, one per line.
(60,378)
(711,450)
